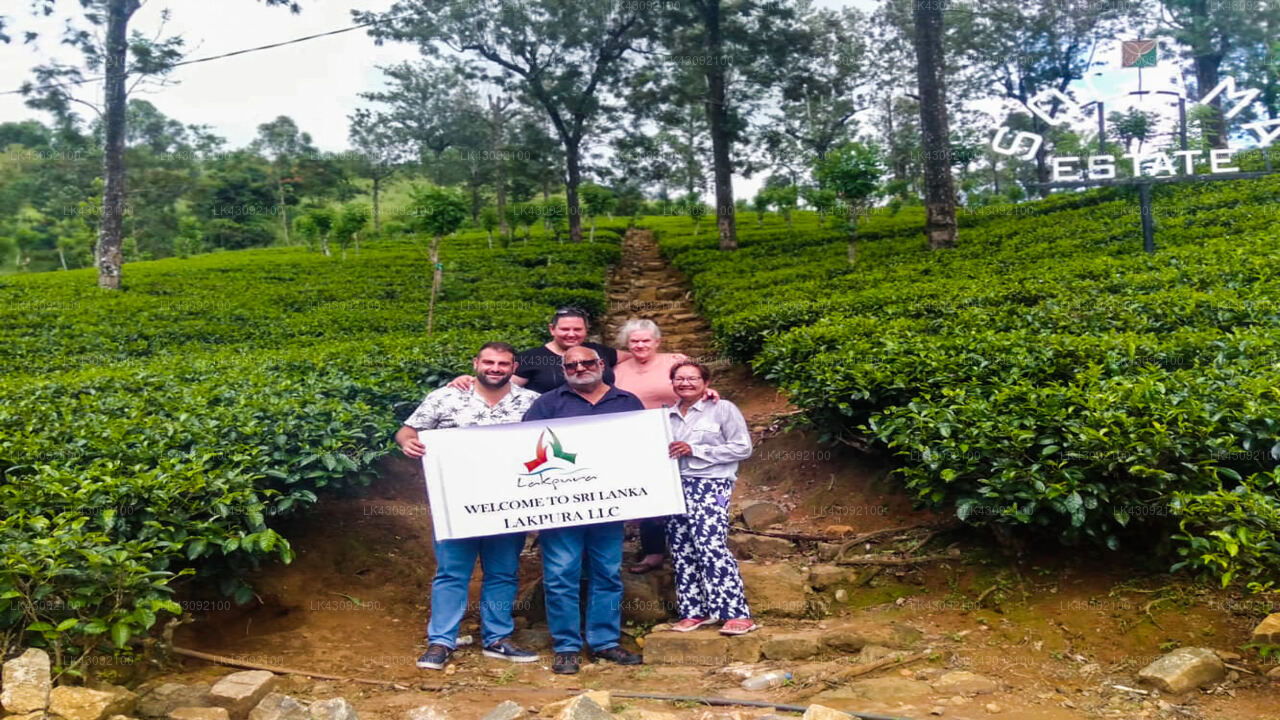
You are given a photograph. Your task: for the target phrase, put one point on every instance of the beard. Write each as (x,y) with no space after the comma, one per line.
(489,382)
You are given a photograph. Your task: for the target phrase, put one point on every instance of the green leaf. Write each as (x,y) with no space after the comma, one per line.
(120,634)
(67,624)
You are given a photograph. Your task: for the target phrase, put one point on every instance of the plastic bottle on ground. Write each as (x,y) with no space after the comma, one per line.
(764,681)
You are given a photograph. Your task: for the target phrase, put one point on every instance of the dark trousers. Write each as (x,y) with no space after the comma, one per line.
(653,536)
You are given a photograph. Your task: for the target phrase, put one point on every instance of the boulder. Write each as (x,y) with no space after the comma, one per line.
(761,515)
(1266,633)
(199,713)
(963,682)
(822,577)
(791,646)
(533,638)
(700,647)
(778,589)
(851,636)
(26,682)
(602,699)
(240,691)
(583,708)
(642,600)
(157,702)
(80,703)
(745,545)
(1184,669)
(332,709)
(275,706)
(508,710)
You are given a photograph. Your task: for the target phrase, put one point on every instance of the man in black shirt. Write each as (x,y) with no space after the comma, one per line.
(540,369)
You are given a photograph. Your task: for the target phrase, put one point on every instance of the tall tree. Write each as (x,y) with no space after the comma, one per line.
(379,155)
(939,188)
(117,55)
(567,55)
(1210,30)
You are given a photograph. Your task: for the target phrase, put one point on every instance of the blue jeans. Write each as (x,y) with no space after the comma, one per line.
(563,551)
(455,561)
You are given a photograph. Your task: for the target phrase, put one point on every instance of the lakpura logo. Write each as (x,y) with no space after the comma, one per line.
(1078,110)
(557,451)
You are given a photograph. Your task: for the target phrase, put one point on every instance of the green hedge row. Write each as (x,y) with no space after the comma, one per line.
(1045,374)
(169,426)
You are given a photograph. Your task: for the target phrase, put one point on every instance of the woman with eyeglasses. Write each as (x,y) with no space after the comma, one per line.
(711,438)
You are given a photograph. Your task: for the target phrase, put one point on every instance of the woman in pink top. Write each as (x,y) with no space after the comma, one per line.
(646,374)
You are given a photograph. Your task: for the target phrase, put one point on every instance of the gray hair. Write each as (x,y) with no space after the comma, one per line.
(630,326)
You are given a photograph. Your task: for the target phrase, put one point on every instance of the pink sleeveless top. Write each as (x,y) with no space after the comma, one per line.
(650,382)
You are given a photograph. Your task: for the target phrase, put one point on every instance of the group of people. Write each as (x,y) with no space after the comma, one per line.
(571,377)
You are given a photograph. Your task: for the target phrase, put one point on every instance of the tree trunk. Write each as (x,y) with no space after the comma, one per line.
(436,274)
(717,120)
(592,236)
(497,137)
(377,224)
(1215,130)
(571,161)
(490,239)
(940,196)
(284,216)
(62,258)
(109,252)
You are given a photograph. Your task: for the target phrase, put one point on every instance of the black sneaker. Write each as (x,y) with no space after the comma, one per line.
(618,655)
(504,649)
(566,663)
(435,658)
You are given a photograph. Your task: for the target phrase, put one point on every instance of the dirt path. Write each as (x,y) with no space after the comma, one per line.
(1053,632)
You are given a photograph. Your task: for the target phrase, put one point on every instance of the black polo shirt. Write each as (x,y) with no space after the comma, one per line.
(563,402)
(545,370)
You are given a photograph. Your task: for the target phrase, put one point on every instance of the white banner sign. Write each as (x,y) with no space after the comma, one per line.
(544,474)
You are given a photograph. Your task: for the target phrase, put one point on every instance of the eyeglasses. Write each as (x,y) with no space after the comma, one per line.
(686,380)
(584,364)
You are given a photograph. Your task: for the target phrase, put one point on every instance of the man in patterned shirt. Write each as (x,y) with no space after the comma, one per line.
(493,400)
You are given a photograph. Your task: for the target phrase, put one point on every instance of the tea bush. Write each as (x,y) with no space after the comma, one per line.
(165,428)
(1046,374)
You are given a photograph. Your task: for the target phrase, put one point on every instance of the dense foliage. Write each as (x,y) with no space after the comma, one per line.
(171,425)
(1047,373)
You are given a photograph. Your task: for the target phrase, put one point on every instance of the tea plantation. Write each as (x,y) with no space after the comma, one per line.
(172,424)
(1047,375)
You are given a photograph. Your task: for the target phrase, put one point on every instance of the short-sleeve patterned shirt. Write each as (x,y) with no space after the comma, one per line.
(451,408)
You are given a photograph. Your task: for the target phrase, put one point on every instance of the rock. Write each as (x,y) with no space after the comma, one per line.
(822,577)
(198,713)
(508,710)
(745,545)
(26,682)
(1268,631)
(822,712)
(761,515)
(642,600)
(427,712)
(828,551)
(79,703)
(872,653)
(533,638)
(775,589)
(791,646)
(1184,669)
(851,636)
(965,683)
(602,699)
(161,699)
(889,690)
(332,709)
(583,707)
(37,715)
(240,691)
(700,647)
(937,710)
(842,595)
(992,708)
(275,706)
